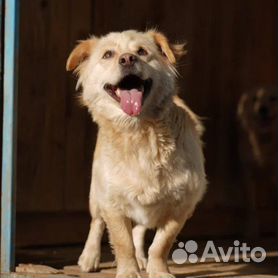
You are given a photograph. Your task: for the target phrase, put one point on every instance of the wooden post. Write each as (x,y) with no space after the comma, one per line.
(11,35)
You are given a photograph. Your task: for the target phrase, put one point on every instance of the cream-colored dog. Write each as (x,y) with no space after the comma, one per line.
(148,169)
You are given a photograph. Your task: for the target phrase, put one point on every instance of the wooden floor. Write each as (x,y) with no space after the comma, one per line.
(267,269)
(62,260)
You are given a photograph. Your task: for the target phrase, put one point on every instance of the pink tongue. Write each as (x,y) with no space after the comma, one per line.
(131,101)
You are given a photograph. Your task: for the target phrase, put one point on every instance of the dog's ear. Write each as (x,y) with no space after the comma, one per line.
(173,52)
(80,53)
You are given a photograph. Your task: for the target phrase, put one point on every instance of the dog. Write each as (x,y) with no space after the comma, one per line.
(148,168)
(257,115)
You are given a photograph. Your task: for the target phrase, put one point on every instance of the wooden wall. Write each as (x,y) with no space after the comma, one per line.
(55,138)
(231,46)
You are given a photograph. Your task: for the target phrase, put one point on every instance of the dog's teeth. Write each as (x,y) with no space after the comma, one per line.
(117,92)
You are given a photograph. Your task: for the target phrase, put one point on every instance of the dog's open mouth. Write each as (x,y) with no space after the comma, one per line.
(130,92)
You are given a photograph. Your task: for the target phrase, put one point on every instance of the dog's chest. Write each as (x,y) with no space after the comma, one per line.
(142,175)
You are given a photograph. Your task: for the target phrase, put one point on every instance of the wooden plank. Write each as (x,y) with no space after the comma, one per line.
(36,269)
(51,170)
(41,229)
(9,136)
(55,142)
(65,228)
(42,105)
(79,128)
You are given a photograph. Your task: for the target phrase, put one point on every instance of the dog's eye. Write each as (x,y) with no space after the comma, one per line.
(142,52)
(108,54)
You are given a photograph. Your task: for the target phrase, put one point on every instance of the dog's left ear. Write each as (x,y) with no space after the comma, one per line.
(80,53)
(173,52)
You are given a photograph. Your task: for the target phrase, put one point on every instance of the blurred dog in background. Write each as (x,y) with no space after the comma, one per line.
(257,113)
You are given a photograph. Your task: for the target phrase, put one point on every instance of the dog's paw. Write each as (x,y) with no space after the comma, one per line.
(161,275)
(128,274)
(142,262)
(89,261)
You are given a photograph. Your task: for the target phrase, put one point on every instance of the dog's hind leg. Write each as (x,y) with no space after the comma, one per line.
(90,257)
(138,233)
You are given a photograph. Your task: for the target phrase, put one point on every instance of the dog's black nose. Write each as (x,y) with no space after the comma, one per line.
(127,60)
(263,111)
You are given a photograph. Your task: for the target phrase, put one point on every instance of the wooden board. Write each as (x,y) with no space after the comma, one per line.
(55,143)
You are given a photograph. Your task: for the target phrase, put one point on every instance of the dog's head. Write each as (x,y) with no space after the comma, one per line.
(126,75)
(257,109)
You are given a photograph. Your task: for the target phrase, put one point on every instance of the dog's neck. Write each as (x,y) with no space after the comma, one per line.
(154,136)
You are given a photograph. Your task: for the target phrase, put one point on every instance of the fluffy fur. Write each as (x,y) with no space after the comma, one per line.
(148,170)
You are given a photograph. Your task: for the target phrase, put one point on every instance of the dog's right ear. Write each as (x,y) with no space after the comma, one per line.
(80,53)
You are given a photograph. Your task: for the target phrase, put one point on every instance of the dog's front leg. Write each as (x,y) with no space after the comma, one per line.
(158,252)
(120,231)
(90,257)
